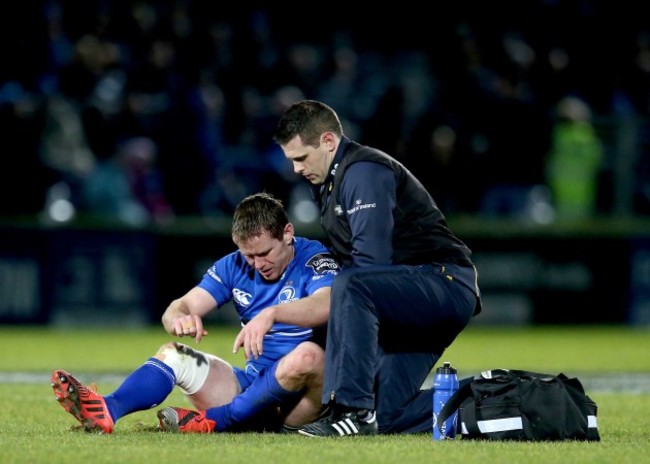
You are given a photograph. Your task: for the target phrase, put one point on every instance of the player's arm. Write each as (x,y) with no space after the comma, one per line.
(184,316)
(309,311)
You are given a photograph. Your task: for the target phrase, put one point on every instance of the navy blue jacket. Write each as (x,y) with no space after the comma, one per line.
(374,211)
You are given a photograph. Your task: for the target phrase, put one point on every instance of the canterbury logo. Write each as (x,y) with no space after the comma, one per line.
(347,427)
(242,297)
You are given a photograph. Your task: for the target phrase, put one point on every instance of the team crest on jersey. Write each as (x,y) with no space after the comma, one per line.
(323,263)
(287,294)
(241,297)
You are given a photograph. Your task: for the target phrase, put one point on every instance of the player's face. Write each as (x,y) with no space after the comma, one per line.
(268,255)
(311,162)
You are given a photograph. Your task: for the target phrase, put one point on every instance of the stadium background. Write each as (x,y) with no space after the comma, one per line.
(466,94)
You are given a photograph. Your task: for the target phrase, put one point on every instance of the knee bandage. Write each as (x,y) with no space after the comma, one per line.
(191,367)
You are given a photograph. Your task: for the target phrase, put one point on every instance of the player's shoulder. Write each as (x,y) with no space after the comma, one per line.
(306,246)
(316,256)
(232,262)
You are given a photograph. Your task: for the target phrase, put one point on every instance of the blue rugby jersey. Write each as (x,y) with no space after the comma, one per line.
(232,278)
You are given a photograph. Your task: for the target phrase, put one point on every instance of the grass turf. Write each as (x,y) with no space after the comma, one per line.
(34,428)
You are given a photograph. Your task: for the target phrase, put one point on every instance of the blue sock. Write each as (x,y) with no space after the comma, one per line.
(144,388)
(264,392)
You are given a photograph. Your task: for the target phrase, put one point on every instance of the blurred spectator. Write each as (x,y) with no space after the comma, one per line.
(574,162)
(64,147)
(511,124)
(128,187)
(385,128)
(220,188)
(277,176)
(24,178)
(301,66)
(631,165)
(91,87)
(433,156)
(341,88)
(203,84)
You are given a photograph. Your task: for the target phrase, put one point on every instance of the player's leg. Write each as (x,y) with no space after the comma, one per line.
(82,402)
(282,384)
(207,380)
(144,388)
(147,386)
(303,369)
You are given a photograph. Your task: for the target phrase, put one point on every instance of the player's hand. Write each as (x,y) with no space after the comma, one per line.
(251,336)
(189,326)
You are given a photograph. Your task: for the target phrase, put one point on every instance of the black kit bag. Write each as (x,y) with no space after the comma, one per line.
(507,404)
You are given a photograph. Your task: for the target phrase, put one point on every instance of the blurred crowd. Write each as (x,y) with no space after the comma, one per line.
(149,110)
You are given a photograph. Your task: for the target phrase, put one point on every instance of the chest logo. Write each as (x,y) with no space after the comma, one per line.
(287,295)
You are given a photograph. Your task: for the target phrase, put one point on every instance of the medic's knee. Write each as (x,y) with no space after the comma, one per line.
(342,280)
(351,279)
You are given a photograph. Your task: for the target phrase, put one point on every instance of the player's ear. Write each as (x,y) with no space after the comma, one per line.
(287,235)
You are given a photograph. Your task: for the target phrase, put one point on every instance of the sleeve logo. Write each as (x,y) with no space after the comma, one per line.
(359,205)
(323,264)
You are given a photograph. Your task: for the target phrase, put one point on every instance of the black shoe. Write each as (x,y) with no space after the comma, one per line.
(288,429)
(361,422)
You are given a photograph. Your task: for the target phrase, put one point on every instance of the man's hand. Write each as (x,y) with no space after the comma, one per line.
(251,336)
(189,326)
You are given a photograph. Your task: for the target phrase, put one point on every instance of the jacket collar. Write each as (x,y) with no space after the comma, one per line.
(322,191)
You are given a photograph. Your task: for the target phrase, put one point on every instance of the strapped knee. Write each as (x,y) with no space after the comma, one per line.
(191,367)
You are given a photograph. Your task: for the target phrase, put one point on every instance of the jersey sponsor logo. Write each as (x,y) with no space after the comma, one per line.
(287,295)
(241,297)
(338,210)
(323,264)
(359,205)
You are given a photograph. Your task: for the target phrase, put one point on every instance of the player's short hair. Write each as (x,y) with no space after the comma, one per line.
(256,214)
(308,119)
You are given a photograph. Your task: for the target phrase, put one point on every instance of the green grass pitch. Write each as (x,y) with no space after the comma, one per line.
(35,429)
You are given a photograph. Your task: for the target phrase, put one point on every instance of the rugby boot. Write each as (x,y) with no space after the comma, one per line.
(83,403)
(342,424)
(185,421)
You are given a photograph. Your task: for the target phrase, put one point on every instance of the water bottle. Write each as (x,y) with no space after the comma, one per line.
(445,384)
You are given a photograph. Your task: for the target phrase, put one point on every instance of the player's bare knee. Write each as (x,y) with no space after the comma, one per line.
(306,359)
